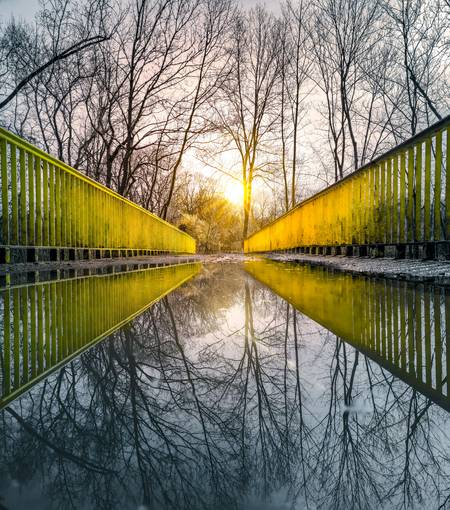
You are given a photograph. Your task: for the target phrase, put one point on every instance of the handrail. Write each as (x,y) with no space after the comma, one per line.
(21,143)
(431,138)
(45,188)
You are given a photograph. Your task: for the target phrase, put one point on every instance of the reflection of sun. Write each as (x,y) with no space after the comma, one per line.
(233,191)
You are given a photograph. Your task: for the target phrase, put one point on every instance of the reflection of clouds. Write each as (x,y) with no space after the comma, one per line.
(359,406)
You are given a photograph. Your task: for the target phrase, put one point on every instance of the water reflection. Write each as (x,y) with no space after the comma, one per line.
(46,324)
(401,326)
(225,396)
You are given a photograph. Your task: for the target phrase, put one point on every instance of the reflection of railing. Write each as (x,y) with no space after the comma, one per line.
(402,198)
(47,324)
(403,327)
(47,204)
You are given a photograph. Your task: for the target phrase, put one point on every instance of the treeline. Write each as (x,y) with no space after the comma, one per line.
(294,99)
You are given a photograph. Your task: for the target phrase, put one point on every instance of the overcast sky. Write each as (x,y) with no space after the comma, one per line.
(22,8)
(27,8)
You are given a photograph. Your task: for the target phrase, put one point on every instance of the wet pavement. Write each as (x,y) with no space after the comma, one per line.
(437,271)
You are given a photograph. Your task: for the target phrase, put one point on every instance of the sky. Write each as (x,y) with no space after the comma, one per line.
(22,8)
(27,8)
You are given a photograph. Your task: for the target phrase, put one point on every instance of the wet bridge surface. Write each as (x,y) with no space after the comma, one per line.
(248,385)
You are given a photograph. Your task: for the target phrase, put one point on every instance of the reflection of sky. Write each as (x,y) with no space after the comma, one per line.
(366,451)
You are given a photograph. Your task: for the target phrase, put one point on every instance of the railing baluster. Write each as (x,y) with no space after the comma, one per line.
(427,336)
(447,187)
(418,203)
(6,342)
(418,292)
(395,198)
(438,337)
(437,187)
(25,339)
(383,212)
(377,210)
(5,201)
(31,204)
(47,337)
(16,334)
(40,329)
(427,191)
(66,299)
(23,199)
(410,211)
(51,205)
(14,237)
(33,332)
(389,336)
(389,201)
(411,331)
(395,318)
(38,174)
(402,218)
(45,216)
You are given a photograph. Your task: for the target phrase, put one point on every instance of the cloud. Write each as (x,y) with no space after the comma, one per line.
(25,9)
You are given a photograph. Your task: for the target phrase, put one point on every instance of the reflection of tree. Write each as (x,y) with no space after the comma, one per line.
(387,455)
(176,411)
(268,406)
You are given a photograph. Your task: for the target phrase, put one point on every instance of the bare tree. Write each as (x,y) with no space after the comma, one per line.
(418,84)
(296,66)
(28,51)
(343,35)
(246,112)
(212,70)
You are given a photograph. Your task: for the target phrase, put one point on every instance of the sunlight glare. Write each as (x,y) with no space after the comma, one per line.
(234,192)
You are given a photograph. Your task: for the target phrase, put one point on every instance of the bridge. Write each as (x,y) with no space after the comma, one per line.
(50,211)
(397,205)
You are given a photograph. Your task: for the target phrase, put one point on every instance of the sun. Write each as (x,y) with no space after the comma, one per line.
(233,191)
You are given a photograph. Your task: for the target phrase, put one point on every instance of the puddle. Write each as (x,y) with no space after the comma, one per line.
(230,386)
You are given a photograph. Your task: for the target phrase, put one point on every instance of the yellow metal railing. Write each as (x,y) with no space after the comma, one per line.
(401,326)
(403,197)
(46,203)
(46,324)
